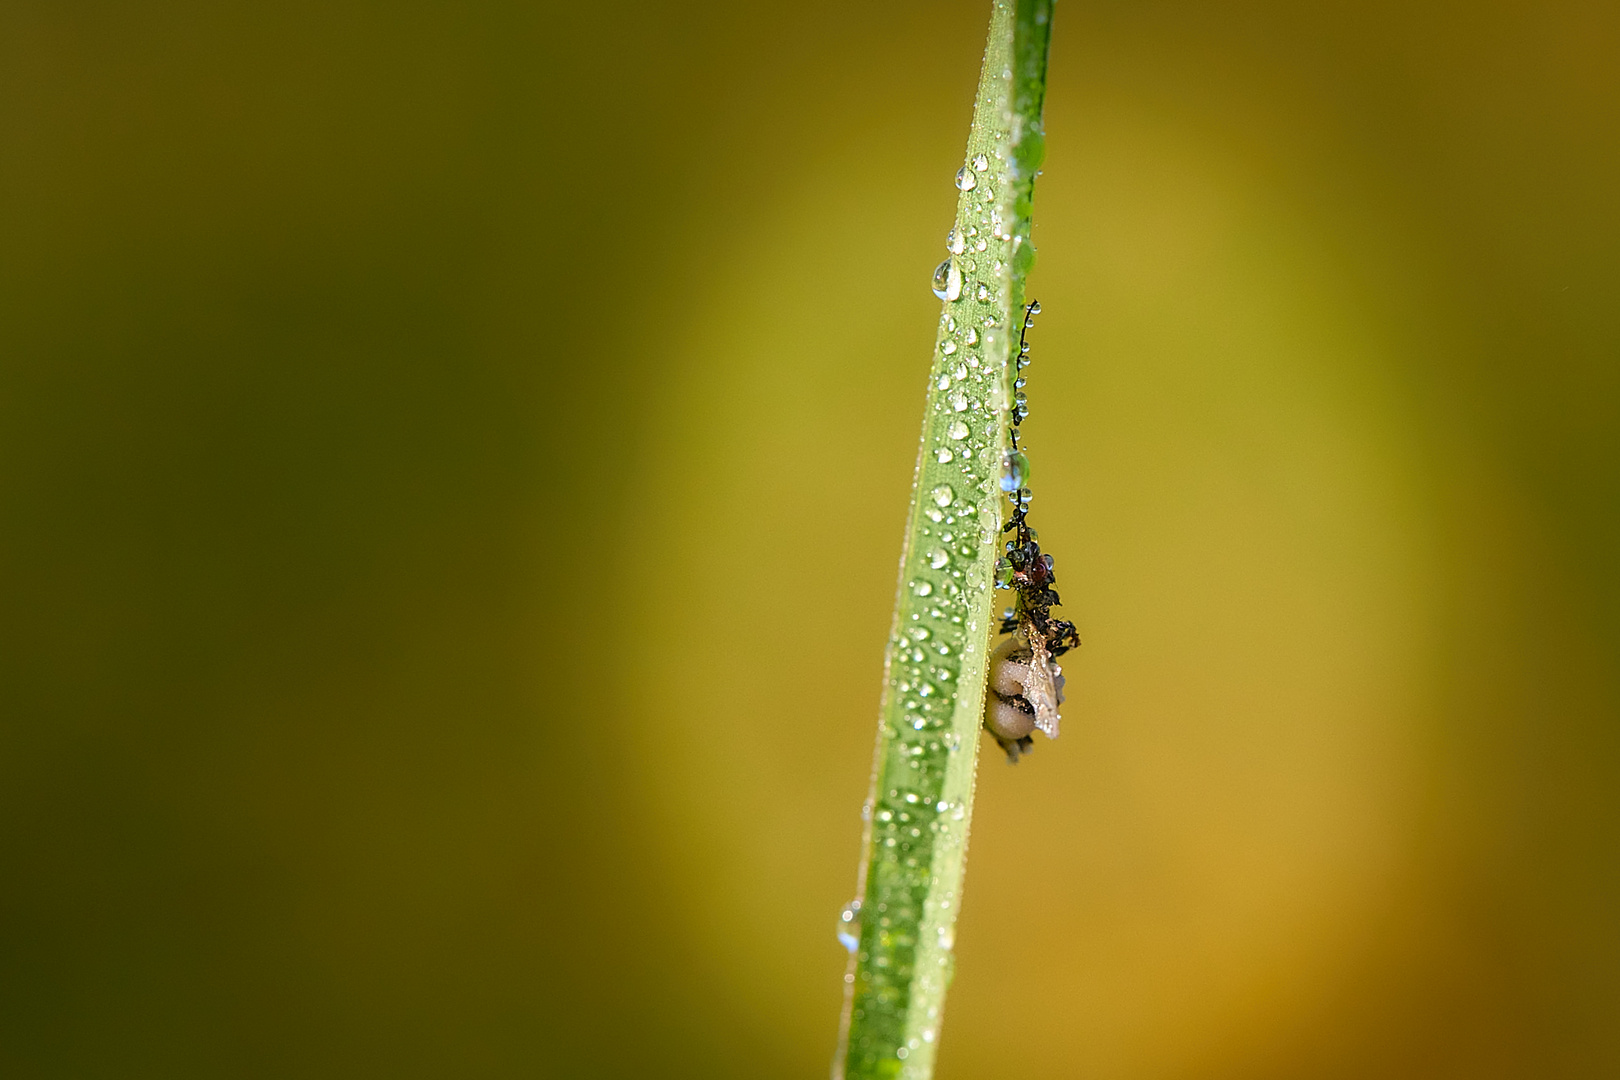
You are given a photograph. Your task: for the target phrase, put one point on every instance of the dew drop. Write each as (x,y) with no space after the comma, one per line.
(947,280)
(955,243)
(922,588)
(983,294)
(948,348)
(965,180)
(937,558)
(947,937)
(972,336)
(980,163)
(957,430)
(959,402)
(942,495)
(849,926)
(1014,471)
(944,457)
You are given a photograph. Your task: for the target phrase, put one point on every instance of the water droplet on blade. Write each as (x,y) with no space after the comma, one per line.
(1014,471)
(947,280)
(965,180)
(849,926)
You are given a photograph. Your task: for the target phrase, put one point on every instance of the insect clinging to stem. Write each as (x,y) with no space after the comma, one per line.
(1025,683)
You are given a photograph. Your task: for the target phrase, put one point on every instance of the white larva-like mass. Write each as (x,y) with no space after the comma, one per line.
(1024,693)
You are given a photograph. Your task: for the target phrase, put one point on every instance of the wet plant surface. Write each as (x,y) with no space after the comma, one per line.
(900,928)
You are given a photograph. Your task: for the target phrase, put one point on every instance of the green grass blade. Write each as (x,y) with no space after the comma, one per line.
(917,815)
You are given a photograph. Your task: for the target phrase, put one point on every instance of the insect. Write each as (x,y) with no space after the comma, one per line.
(1025,683)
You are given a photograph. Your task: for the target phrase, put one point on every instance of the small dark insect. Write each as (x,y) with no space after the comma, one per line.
(1026,684)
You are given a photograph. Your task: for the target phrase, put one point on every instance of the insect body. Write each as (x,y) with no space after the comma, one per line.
(1024,694)
(1026,684)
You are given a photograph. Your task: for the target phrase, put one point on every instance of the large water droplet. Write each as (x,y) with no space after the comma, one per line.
(948,348)
(947,937)
(965,180)
(955,242)
(944,457)
(942,495)
(1014,471)
(849,926)
(959,402)
(922,588)
(937,559)
(980,163)
(947,280)
(957,431)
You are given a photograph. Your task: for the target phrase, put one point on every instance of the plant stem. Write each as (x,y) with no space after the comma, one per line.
(914,849)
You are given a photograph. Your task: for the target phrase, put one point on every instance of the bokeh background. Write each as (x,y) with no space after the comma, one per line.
(453,459)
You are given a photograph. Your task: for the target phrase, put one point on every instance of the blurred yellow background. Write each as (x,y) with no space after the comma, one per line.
(453,461)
